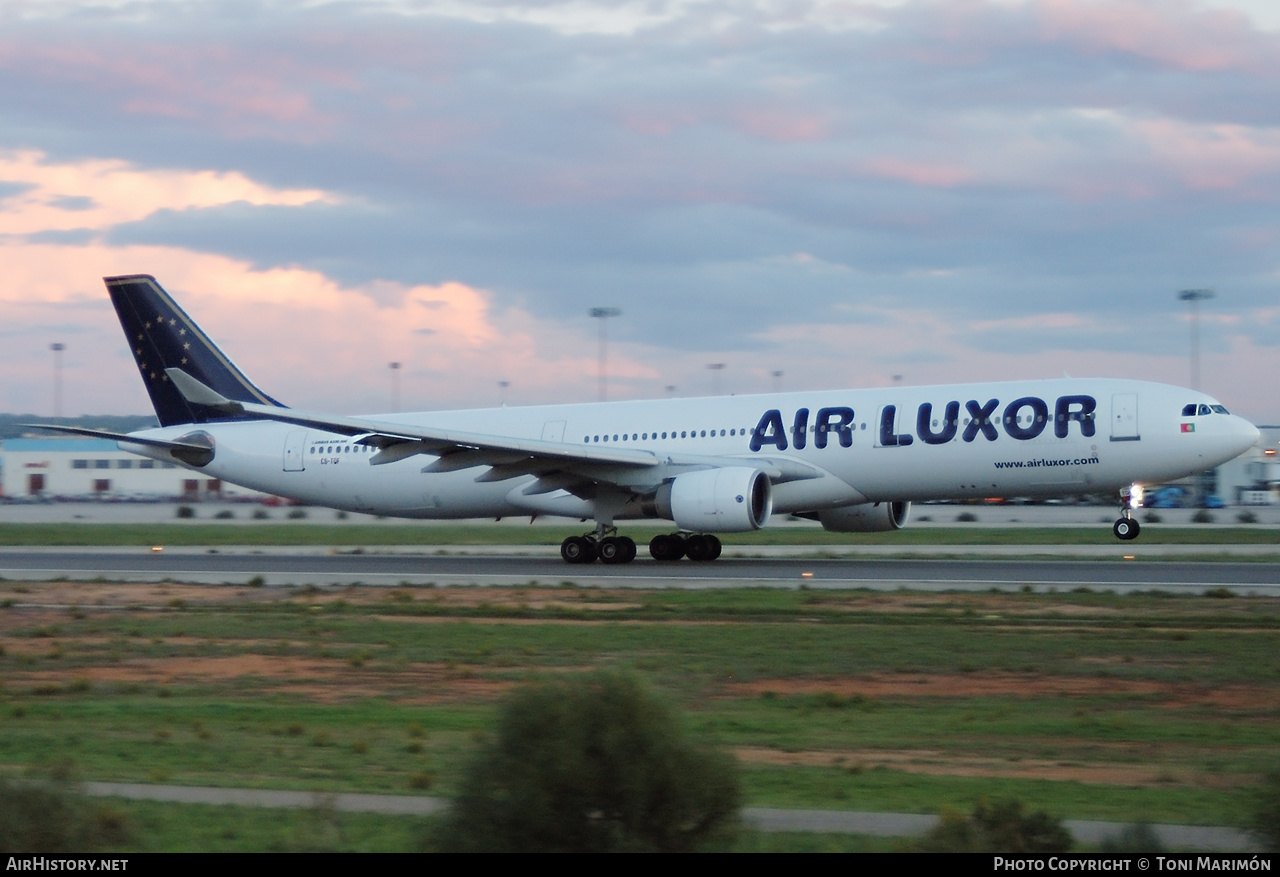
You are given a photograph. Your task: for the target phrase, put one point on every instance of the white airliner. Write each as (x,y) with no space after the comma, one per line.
(853,460)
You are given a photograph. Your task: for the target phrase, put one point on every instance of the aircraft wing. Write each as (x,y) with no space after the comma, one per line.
(558,465)
(396,441)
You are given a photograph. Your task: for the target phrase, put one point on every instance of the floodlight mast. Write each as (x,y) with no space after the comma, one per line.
(1193,297)
(57,347)
(603,315)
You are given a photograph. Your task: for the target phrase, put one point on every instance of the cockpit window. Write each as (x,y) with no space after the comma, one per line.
(1219,409)
(1189,410)
(1204,409)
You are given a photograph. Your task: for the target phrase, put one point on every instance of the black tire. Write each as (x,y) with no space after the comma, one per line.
(716,547)
(612,550)
(578,549)
(666,548)
(700,547)
(629,548)
(1126,529)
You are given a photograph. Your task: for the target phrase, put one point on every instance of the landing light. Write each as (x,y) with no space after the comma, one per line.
(1135,496)
(156,549)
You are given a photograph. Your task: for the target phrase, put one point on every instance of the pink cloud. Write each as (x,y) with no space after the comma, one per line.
(1211,156)
(119,192)
(236,89)
(941,176)
(782,126)
(304,338)
(1175,34)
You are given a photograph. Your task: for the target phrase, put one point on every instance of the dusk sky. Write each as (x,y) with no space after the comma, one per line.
(844,192)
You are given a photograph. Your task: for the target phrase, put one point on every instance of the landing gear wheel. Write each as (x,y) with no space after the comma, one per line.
(716,547)
(1126,529)
(664,547)
(617,549)
(700,547)
(579,549)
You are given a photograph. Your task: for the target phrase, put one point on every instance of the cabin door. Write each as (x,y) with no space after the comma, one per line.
(295,445)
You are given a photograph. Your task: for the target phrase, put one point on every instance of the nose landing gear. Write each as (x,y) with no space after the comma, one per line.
(1126,528)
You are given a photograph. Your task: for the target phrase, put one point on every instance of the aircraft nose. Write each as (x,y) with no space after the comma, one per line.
(1249,435)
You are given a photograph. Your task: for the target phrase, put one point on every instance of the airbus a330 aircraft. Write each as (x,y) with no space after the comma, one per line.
(853,460)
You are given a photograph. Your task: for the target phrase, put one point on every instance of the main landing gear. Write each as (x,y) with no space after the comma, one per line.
(697,546)
(613,549)
(589,549)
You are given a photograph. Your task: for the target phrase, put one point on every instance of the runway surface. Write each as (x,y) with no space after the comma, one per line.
(294,567)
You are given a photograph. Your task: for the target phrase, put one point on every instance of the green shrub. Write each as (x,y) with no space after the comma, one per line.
(1000,827)
(1266,814)
(50,817)
(184,511)
(1202,516)
(1136,838)
(592,764)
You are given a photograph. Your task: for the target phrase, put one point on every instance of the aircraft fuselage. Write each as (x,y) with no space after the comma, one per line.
(1010,439)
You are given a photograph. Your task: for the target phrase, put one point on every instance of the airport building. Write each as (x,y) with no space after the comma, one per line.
(65,468)
(1253,478)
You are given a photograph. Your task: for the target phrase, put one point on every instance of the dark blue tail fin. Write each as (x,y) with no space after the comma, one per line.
(162,336)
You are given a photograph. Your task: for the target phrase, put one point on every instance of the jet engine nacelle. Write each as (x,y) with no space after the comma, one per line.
(866,518)
(734,499)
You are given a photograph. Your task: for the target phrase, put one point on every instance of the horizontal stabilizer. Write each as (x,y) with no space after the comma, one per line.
(122,437)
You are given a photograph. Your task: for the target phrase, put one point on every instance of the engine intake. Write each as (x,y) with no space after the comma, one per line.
(735,499)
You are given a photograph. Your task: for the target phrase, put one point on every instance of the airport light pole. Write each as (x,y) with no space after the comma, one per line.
(502,392)
(1202,483)
(57,347)
(777,379)
(603,315)
(716,368)
(395,386)
(1193,297)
